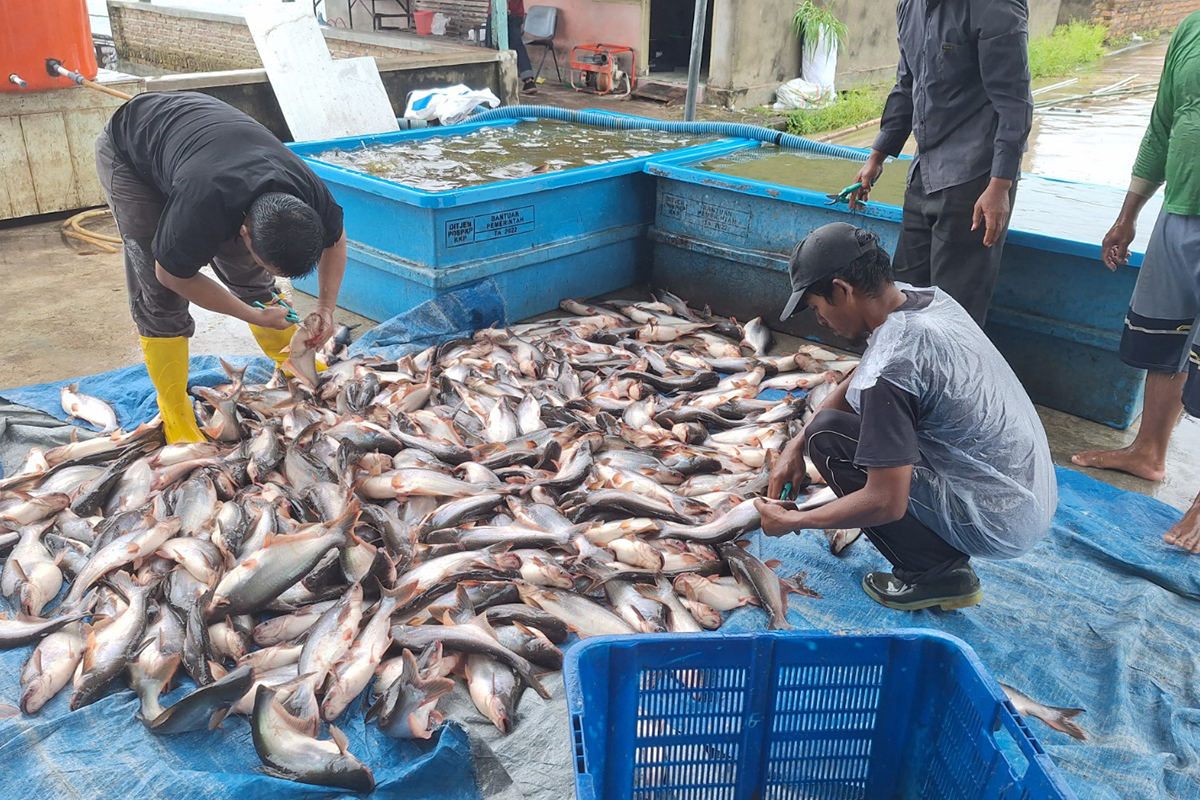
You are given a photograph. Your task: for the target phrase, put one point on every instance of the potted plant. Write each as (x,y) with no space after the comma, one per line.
(822,34)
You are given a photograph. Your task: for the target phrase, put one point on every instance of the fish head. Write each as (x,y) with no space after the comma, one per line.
(37,691)
(497,711)
(509,562)
(352,774)
(688,584)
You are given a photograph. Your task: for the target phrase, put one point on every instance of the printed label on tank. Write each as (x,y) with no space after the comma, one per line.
(722,219)
(485,227)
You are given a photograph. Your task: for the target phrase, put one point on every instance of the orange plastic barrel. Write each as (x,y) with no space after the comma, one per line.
(32,31)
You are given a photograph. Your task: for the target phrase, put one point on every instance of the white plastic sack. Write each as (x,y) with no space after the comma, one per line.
(799,93)
(449,105)
(440,23)
(818,61)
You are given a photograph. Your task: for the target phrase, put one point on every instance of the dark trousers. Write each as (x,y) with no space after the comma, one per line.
(516,32)
(915,551)
(938,248)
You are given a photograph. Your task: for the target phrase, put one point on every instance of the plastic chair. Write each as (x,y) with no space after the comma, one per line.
(541,23)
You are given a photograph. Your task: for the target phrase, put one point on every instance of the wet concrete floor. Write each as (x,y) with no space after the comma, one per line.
(65,309)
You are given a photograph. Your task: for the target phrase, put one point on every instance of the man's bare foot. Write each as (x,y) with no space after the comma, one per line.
(1132,460)
(1186,533)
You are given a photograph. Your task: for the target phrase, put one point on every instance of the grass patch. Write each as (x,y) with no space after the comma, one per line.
(852,107)
(1067,48)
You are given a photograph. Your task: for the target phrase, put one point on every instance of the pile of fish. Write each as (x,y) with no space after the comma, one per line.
(389,527)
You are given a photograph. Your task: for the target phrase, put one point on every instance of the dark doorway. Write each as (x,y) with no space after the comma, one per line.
(671,38)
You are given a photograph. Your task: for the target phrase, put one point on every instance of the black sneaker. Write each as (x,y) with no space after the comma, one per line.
(529,87)
(958,589)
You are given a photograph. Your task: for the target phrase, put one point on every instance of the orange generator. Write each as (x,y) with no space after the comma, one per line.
(33,31)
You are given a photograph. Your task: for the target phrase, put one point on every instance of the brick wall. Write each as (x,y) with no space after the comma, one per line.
(182,41)
(1124,17)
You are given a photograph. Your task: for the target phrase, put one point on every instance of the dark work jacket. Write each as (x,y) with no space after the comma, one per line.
(962,88)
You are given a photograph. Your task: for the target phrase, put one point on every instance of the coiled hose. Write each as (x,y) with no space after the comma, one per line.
(73,229)
(731,129)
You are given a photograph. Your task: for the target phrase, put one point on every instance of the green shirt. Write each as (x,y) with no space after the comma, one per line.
(1171,147)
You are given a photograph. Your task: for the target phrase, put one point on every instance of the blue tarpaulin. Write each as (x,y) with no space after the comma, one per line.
(1101,615)
(103,751)
(84,753)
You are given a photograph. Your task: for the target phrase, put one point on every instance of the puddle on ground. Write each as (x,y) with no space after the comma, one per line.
(502,153)
(1097,146)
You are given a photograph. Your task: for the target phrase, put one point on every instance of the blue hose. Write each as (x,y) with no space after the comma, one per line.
(621,122)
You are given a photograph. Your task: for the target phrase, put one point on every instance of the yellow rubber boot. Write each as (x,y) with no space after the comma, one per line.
(167,363)
(273,342)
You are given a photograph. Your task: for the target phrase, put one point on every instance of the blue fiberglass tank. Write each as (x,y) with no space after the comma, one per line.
(570,233)
(724,239)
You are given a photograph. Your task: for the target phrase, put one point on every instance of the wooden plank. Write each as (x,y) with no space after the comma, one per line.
(19,197)
(661,92)
(320,98)
(82,129)
(49,162)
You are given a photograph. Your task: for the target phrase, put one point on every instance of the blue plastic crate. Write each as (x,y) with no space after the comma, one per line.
(901,714)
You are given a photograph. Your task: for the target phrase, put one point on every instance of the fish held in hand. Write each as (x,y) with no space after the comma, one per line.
(302,359)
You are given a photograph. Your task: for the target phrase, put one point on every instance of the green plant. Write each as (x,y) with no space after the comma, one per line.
(1068,47)
(810,18)
(851,108)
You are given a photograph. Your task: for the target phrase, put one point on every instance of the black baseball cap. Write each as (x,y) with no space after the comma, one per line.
(822,253)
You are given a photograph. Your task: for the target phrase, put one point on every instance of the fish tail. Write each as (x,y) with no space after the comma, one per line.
(537,686)
(1063,721)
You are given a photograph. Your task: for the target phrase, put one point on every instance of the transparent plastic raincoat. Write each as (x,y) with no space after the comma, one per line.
(985,481)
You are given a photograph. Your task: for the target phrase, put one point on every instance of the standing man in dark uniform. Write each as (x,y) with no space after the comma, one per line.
(962,88)
(193,181)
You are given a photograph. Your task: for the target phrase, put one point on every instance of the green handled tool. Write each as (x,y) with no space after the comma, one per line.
(787,492)
(292,316)
(844,195)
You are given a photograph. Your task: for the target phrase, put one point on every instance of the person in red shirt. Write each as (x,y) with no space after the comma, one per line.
(516,41)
